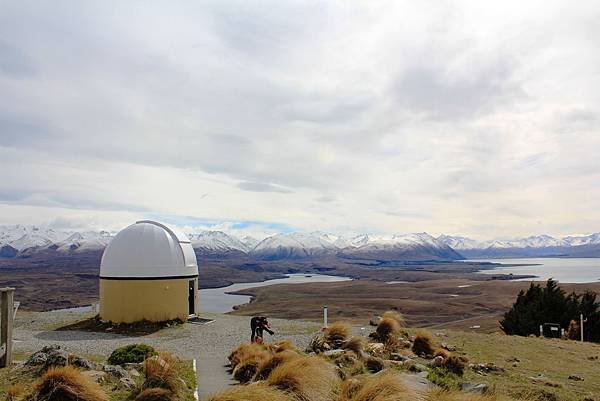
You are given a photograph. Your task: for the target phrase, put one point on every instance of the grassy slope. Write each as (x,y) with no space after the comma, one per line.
(555,359)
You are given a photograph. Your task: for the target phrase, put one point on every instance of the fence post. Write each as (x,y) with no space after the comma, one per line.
(581,325)
(325,316)
(6,325)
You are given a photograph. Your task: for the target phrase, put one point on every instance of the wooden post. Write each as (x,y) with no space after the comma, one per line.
(6,325)
(581,325)
(325,316)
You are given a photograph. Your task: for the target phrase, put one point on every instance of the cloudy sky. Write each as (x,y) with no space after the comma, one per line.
(457,117)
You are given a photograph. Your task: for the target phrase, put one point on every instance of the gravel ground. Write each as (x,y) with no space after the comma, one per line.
(33,330)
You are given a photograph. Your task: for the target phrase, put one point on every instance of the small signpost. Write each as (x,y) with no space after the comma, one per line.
(7,315)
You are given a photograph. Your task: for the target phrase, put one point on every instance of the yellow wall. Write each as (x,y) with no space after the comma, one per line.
(127,301)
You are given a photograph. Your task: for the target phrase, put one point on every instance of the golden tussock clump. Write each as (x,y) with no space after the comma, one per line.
(252,392)
(247,352)
(388,327)
(397,316)
(66,383)
(382,387)
(444,353)
(339,331)
(155,394)
(424,343)
(161,372)
(455,364)
(355,344)
(282,345)
(267,366)
(308,378)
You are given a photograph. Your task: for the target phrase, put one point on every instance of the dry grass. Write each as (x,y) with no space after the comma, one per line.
(382,387)
(308,378)
(252,392)
(424,343)
(15,392)
(66,383)
(442,395)
(387,328)
(247,352)
(267,366)
(397,316)
(161,372)
(155,394)
(339,331)
(355,344)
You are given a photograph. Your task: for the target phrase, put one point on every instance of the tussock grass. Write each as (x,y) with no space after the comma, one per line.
(455,364)
(355,344)
(386,386)
(155,394)
(161,372)
(397,316)
(248,352)
(444,353)
(280,346)
(387,328)
(252,392)
(339,331)
(267,366)
(308,378)
(66,383)
(424,343)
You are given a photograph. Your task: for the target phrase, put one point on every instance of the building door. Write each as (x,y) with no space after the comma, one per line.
(191,297)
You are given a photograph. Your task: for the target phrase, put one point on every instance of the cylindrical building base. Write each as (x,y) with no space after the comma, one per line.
(128,301)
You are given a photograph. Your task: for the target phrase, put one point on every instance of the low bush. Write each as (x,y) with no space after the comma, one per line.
(443,378)
(455,364)
(65,383)
(133,353)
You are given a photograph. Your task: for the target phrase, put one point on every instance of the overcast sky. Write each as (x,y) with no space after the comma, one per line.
(473,118)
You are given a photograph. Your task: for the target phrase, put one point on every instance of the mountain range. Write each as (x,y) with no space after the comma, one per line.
(21,240)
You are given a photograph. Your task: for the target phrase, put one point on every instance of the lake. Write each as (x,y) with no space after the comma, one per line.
(565,270)
(216,300)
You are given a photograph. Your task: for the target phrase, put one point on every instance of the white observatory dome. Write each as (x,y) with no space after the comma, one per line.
(148,249)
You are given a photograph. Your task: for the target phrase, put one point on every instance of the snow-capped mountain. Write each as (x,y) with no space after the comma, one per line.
(407,246)
(18,240)
(29,239)
(217,242)
(535,245)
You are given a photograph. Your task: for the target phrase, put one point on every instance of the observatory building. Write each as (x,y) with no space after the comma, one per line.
(148,272)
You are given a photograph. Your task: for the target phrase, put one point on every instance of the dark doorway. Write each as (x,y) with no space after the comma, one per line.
(191,297)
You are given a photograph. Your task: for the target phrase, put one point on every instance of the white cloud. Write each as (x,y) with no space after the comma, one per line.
(384,116)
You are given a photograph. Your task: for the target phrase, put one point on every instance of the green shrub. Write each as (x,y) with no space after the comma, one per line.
(133,353)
